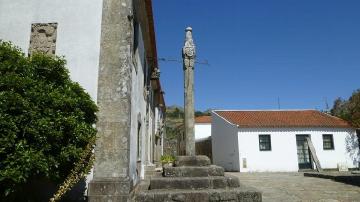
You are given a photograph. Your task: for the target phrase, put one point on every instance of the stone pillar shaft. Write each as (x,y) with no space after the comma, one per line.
(189,61)
(189,112)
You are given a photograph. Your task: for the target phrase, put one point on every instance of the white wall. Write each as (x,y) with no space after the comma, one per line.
(78,32)
(283,154)
(202,130)
(138,112)
(224,142)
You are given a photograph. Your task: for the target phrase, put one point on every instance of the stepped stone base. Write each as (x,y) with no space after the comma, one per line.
(194,179)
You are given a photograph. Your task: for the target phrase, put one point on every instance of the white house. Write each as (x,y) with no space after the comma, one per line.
(275,141)
(202,127)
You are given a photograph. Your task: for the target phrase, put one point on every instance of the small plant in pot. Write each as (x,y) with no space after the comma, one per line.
(167,160)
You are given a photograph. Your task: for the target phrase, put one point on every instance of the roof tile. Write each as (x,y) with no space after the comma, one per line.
(203,119)
(282,118)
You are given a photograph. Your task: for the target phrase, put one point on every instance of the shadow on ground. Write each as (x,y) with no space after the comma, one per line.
(348,178)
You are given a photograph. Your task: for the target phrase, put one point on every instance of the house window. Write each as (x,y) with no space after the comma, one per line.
(328,142)
(264,143)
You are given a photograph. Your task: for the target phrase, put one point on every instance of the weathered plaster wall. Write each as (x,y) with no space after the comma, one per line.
(150,138)
(159,130)
(224,143)
(202,130)
(283,154)
(138,110)
(78,32)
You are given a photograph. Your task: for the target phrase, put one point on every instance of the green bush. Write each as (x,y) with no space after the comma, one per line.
(167,159)
(46,120)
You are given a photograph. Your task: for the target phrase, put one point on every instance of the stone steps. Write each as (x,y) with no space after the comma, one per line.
(240,194)
(214,182)
(194,179)
(193,171)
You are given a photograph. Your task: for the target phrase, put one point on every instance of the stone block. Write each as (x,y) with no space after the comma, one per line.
(232,181)
(197,196)
(109,190)
(101,187)
(223,196)
(173,197)
(145,197)
(216,171)
(218,183)
(249,197)
(192,161)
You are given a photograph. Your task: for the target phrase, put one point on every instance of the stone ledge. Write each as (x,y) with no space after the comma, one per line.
(215,182)
(200,160)
(101,198)
(193,171)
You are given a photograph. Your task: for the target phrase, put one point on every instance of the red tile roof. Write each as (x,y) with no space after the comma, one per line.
(203,119)
(281,119)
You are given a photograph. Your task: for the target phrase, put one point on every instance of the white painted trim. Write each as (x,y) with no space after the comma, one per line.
(213,112)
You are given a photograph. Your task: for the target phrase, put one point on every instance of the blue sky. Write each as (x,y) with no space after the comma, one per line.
(302,52)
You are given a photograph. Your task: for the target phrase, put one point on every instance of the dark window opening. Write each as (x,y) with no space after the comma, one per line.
(328,142)
(138,153)
(264,143)
(136,37)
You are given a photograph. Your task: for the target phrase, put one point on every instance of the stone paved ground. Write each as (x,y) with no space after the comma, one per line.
(295,187)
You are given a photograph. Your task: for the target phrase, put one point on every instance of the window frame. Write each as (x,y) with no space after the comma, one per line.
(266,142)
(331,141)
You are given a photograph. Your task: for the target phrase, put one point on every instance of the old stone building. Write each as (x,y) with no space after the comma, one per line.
(110,50)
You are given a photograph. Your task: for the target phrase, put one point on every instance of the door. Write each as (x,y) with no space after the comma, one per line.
(303,152)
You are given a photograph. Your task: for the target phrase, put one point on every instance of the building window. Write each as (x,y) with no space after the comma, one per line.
(328,142)
(264,143)
(138,142)
(136,37)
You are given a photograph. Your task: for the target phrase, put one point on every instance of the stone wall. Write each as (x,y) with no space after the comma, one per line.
(170,146)
(203,147)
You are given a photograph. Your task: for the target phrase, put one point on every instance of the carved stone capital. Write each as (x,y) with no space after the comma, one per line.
(155,74)
(189,51)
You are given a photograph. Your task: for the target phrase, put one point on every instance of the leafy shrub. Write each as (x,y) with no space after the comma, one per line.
(46,120)
(167,159)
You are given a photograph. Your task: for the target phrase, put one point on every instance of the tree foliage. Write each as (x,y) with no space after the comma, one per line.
(348,110)
(46,120)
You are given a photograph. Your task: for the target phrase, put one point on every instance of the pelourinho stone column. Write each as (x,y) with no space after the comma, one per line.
(188,54)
